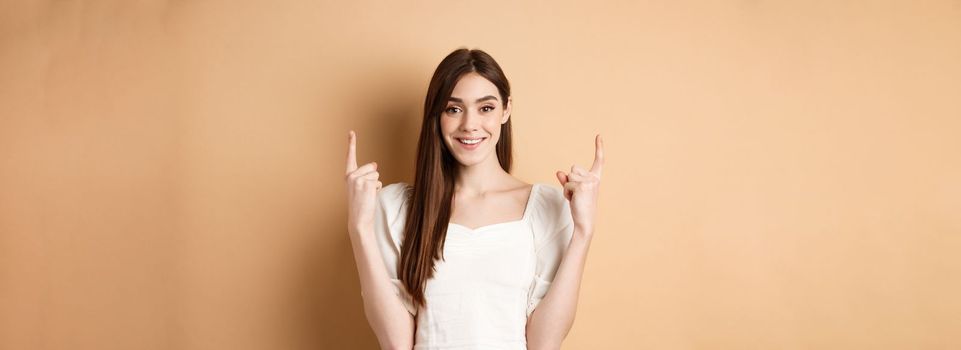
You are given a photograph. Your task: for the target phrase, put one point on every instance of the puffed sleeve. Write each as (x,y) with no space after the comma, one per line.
(389,229)
(553,229)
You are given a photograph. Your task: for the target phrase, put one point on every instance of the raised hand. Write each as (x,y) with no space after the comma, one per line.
(581,188)
(362,186)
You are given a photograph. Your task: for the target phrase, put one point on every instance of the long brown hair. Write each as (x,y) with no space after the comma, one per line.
(430,198)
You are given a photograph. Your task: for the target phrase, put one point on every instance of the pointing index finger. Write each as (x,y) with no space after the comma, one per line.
(598,155)
(351,151)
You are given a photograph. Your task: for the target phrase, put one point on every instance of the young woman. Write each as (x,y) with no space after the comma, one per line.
(468,256)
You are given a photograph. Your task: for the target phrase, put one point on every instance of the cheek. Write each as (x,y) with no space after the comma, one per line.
(447,126)
(494,125)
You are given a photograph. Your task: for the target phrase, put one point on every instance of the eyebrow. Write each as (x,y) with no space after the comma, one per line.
(482,99)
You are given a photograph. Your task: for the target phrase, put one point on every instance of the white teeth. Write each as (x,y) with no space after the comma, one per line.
(470,142)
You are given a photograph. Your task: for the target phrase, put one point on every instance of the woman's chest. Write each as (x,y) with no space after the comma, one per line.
(494,257)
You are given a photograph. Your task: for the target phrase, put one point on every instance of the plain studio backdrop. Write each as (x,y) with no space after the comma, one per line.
(780,175)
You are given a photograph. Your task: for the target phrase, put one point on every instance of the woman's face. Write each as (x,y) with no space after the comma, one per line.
(474,112)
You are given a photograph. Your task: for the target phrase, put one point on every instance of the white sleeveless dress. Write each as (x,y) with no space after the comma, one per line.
(492,277)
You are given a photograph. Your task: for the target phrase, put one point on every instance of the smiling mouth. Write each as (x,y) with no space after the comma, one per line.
(471,141)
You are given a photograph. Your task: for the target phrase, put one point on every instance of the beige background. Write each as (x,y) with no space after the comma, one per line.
(779,175)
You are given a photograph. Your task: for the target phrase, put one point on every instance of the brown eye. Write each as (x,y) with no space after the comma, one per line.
(487,108)
(452,110)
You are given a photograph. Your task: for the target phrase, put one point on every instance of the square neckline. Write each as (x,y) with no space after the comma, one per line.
(527,210)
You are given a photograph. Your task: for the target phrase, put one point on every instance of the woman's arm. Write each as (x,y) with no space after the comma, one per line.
(388,317)
(554,315)
(552,319)
(386,313)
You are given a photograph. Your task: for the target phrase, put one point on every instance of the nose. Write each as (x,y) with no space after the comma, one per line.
(470,121)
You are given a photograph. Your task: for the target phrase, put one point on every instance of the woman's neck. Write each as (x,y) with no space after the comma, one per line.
(482,178)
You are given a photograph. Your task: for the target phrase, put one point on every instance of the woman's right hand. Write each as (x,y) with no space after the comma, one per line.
(362,186)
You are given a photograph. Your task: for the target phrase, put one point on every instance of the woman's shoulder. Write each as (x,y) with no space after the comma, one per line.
(548,206)
(392,203)
(551,216)
(397,186)
(548,197)
(393,193)
(393,199)
(549,191)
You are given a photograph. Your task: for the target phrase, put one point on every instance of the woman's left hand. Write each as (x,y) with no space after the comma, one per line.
(581,188)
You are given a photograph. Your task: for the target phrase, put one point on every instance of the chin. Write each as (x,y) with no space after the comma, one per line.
(467,162)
